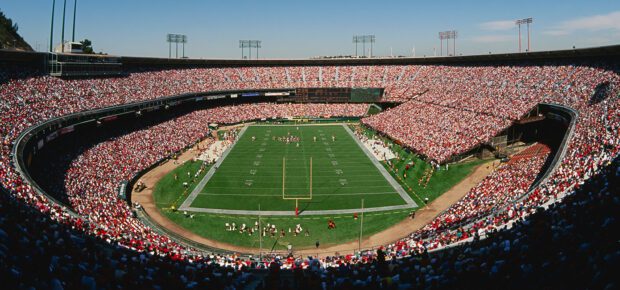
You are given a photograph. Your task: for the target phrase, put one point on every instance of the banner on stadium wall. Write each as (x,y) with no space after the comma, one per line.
(250,94)
(277,94)
(122,190)
(67,129)
(109,118)
(51,136)
(216,97)
(198,99)
(153,108)
(233,96)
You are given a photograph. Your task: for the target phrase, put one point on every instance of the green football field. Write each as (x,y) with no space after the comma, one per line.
(169,192)
(330,173)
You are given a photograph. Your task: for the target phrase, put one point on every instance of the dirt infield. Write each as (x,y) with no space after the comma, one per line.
(390,234)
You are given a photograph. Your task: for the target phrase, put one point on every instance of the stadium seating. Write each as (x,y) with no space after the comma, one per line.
(446,110)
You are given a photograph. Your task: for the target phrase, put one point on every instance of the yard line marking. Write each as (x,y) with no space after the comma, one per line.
(350,167)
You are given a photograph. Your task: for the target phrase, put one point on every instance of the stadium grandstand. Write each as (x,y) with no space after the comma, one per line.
(79,144)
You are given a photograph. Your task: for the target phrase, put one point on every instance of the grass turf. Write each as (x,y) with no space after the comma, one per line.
(170,192)
(252,174)
(422,192)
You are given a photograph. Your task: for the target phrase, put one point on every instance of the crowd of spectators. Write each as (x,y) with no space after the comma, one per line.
(466,104)
(265,111)
(568,245)
(94,172)
(435,131)
(504,185)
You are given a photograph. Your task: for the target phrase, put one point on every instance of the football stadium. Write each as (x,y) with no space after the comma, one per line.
(152,169)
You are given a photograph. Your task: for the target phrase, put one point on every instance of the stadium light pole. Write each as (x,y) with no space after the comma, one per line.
(527,22)
(74,11)
(249,44)
(357,39)
(52,27)
(447,43)
(243,44)
(255,44)
(169,40)
(359,241)
(183,42)
(260,236)
(64,10)
(176,39)
(447,35)
(372,41)
(363,39)
(518,22)
(454,34)
(441,38)
(364,45)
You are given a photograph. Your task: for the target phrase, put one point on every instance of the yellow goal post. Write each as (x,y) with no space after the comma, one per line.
(296,198)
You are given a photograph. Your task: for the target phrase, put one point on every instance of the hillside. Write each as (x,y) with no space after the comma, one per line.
(9,37)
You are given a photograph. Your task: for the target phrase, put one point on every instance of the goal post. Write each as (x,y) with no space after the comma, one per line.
(295,197)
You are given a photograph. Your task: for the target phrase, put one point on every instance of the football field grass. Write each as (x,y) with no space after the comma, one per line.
(169,192)
(322,166)
(211,226)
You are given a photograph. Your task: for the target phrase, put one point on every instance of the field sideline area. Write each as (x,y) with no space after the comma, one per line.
(270,166)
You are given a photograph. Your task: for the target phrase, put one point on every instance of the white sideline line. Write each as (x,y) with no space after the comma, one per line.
(210,173)
(298,187)
(292,213)
(403,194)
(280,195)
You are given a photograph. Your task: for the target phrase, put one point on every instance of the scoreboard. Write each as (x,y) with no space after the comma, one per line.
(334,95)
(319,95)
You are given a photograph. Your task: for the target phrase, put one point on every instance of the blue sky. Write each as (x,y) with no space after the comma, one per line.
(302,29)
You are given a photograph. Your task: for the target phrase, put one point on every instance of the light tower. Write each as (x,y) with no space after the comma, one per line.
(249,44)
(176,39)
(363,39)
(453,34)
(442,36)
(447,35)
(527,22)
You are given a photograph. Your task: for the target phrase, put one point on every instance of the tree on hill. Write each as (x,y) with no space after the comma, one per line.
(87,46)
(9,38)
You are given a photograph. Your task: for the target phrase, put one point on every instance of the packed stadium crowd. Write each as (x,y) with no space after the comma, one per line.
(437,132)
(94,173)
(258,111)
(466,104)
(554,248)
(503,186)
